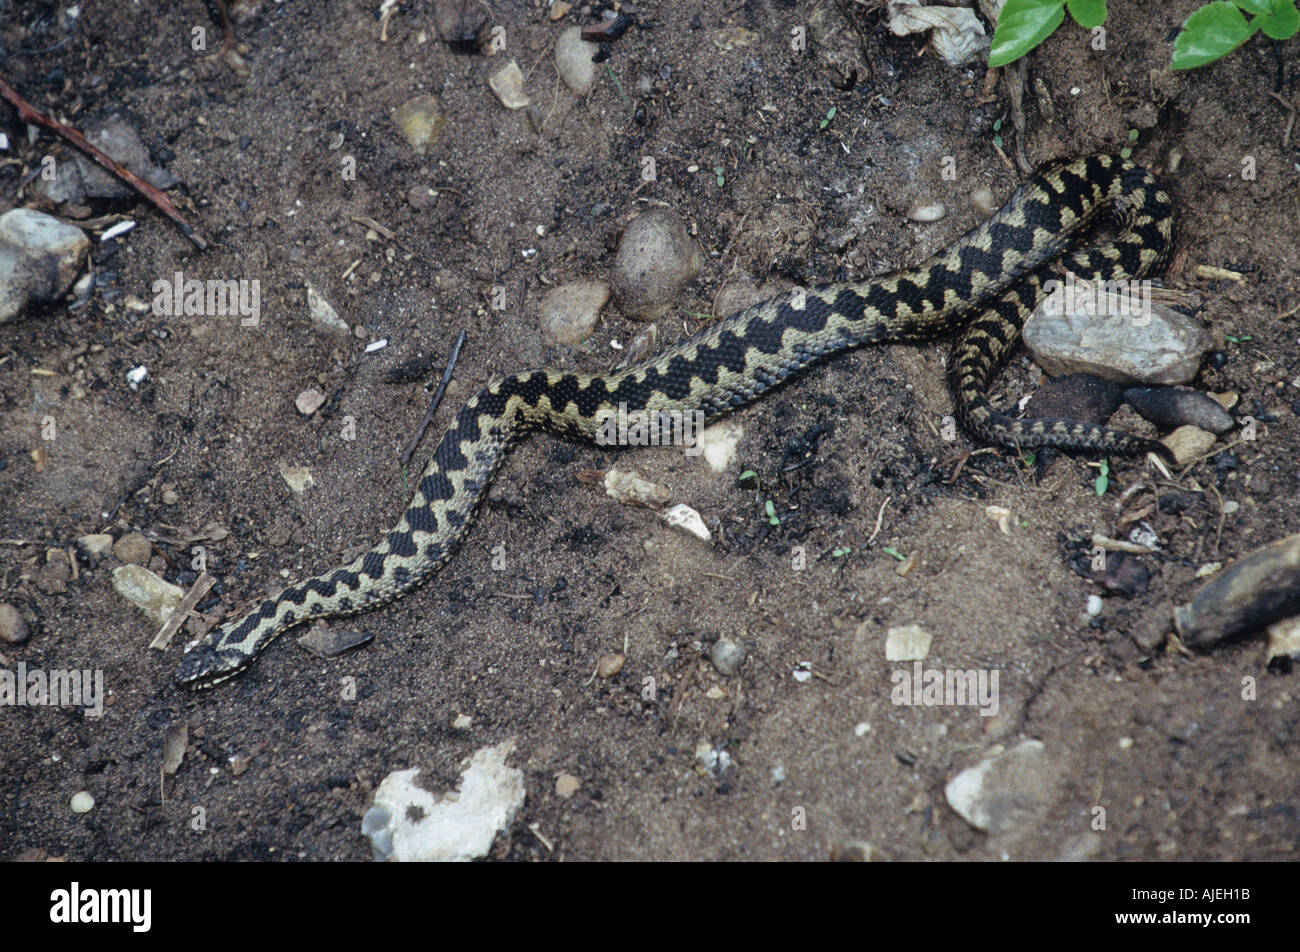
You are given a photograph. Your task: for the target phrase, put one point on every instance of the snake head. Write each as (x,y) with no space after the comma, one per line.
(204,665)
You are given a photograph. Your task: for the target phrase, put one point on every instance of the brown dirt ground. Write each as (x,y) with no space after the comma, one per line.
(1208,775)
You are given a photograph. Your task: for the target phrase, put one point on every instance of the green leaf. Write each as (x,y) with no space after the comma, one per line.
(1088,13)
(1282,23)
(1103,479)
(1022,26)
(747,474)
(890,550)
(1210,33)
(1255,6)
(771,513)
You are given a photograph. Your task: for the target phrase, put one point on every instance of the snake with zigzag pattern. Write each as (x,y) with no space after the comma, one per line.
(985,285)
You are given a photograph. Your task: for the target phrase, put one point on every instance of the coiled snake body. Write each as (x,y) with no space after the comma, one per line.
(985,285)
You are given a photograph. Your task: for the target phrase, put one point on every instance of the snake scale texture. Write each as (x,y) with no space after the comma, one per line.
(984,286)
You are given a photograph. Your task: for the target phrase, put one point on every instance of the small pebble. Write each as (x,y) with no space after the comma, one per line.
(657,258)
(573,61)
(983,201)
(170,497)
(609,665)
(309,401)
(508,84)
(462,722)
(1094,605)
(727,656)
(907,643)
(82,802)
(1189,442)
(13,628)
(421,119)
(569,312)
(133,549)
(927,211)
(566,785)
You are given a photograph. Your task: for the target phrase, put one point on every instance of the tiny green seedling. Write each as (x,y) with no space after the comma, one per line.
(841,551)
(890,550)
(1103,478)
(1244,338)
(617,85)
(830,114)
(719,175)
(771,513)
(997,138)
(1127,151)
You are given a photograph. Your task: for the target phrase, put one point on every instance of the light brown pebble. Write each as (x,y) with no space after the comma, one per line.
(309,401)
(609,665)
(566,785)
(1189,442)
(133,549)
(927,211)
(983,201)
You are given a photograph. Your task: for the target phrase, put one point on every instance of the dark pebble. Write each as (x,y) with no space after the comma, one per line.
(1174,503)
(1125,574)
(1170,408)
(245,142)
(1218,359)
(1226,462)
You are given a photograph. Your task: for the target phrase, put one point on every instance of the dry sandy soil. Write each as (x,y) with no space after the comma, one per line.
(1162,739)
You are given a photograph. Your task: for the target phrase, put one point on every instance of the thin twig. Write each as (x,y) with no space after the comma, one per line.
(437,399)
(30,114)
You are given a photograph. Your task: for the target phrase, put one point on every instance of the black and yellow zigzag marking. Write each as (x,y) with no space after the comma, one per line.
(986,283)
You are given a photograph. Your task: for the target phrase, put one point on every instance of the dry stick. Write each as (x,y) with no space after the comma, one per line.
(437,399)
(30,114)
(227,28)
(179,613)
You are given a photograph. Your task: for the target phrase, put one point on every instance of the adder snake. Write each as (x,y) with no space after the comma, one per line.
(985,284)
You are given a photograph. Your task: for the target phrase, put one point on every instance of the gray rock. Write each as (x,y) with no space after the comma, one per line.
(656,259)
(40,257)
(332,642)
(1160,346)
(1170,407)
(94,547)
(1253,592)
(573,61)
(570,311)
(80,178)
(13,627)
(727,656)
(322,314)
(1006,793)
